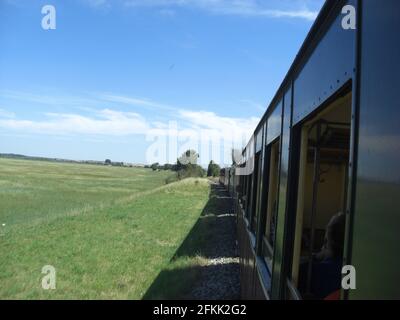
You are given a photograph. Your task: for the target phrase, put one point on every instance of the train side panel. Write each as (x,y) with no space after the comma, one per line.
(376,222)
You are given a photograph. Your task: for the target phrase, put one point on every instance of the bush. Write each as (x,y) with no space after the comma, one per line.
(213,169)
(191,171)
(187,171)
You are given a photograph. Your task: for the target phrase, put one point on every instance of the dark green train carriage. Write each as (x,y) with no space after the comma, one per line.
(328,143)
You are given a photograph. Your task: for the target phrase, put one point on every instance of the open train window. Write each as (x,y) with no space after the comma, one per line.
(322,194)
(268,237)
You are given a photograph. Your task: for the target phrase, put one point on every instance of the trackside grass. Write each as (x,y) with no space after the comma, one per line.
(108,231)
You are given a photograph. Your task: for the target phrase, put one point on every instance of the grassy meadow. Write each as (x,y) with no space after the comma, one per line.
(108,231)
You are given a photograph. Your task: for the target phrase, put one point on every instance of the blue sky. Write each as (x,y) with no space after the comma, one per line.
(115,75)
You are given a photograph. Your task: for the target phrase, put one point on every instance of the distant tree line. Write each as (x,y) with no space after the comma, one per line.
(108,162)
(186,167)
(158,167)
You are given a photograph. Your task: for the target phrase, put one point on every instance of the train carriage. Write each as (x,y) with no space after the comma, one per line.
(328,146)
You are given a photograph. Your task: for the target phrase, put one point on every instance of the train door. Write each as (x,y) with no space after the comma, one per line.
(319,233)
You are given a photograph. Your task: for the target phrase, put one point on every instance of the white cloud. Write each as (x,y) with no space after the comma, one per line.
(255,105)
(107,122)
(96,3)
(134,101)
(303,9)
(305,14)
(272,9)
(211,121)
(195,128)
(6,114)
(51,100)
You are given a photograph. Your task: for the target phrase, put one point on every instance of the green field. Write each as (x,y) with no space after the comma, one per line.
(108,231)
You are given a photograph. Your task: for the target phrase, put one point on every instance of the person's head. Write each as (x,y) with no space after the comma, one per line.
(334,235)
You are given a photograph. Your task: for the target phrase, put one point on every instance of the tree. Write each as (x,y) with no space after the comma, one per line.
(107,162)
(155,166)
(213,169)
(188,157)
(187,167)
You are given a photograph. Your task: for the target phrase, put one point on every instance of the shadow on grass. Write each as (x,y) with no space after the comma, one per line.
(203,267)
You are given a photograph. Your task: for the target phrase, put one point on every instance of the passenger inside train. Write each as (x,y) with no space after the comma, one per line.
(326,266)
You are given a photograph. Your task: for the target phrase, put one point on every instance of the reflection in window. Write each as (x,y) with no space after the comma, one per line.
(272,201)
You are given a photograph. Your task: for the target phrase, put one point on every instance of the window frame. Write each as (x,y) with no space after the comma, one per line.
(271,163)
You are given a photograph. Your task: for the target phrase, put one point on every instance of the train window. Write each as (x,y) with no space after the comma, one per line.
(244,198)
(239,186)
(322,193)
(256,188)
(248,195)
(268,237)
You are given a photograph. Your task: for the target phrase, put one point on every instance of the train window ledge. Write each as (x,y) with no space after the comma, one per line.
(291,291)
(267,252)
(265,275)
